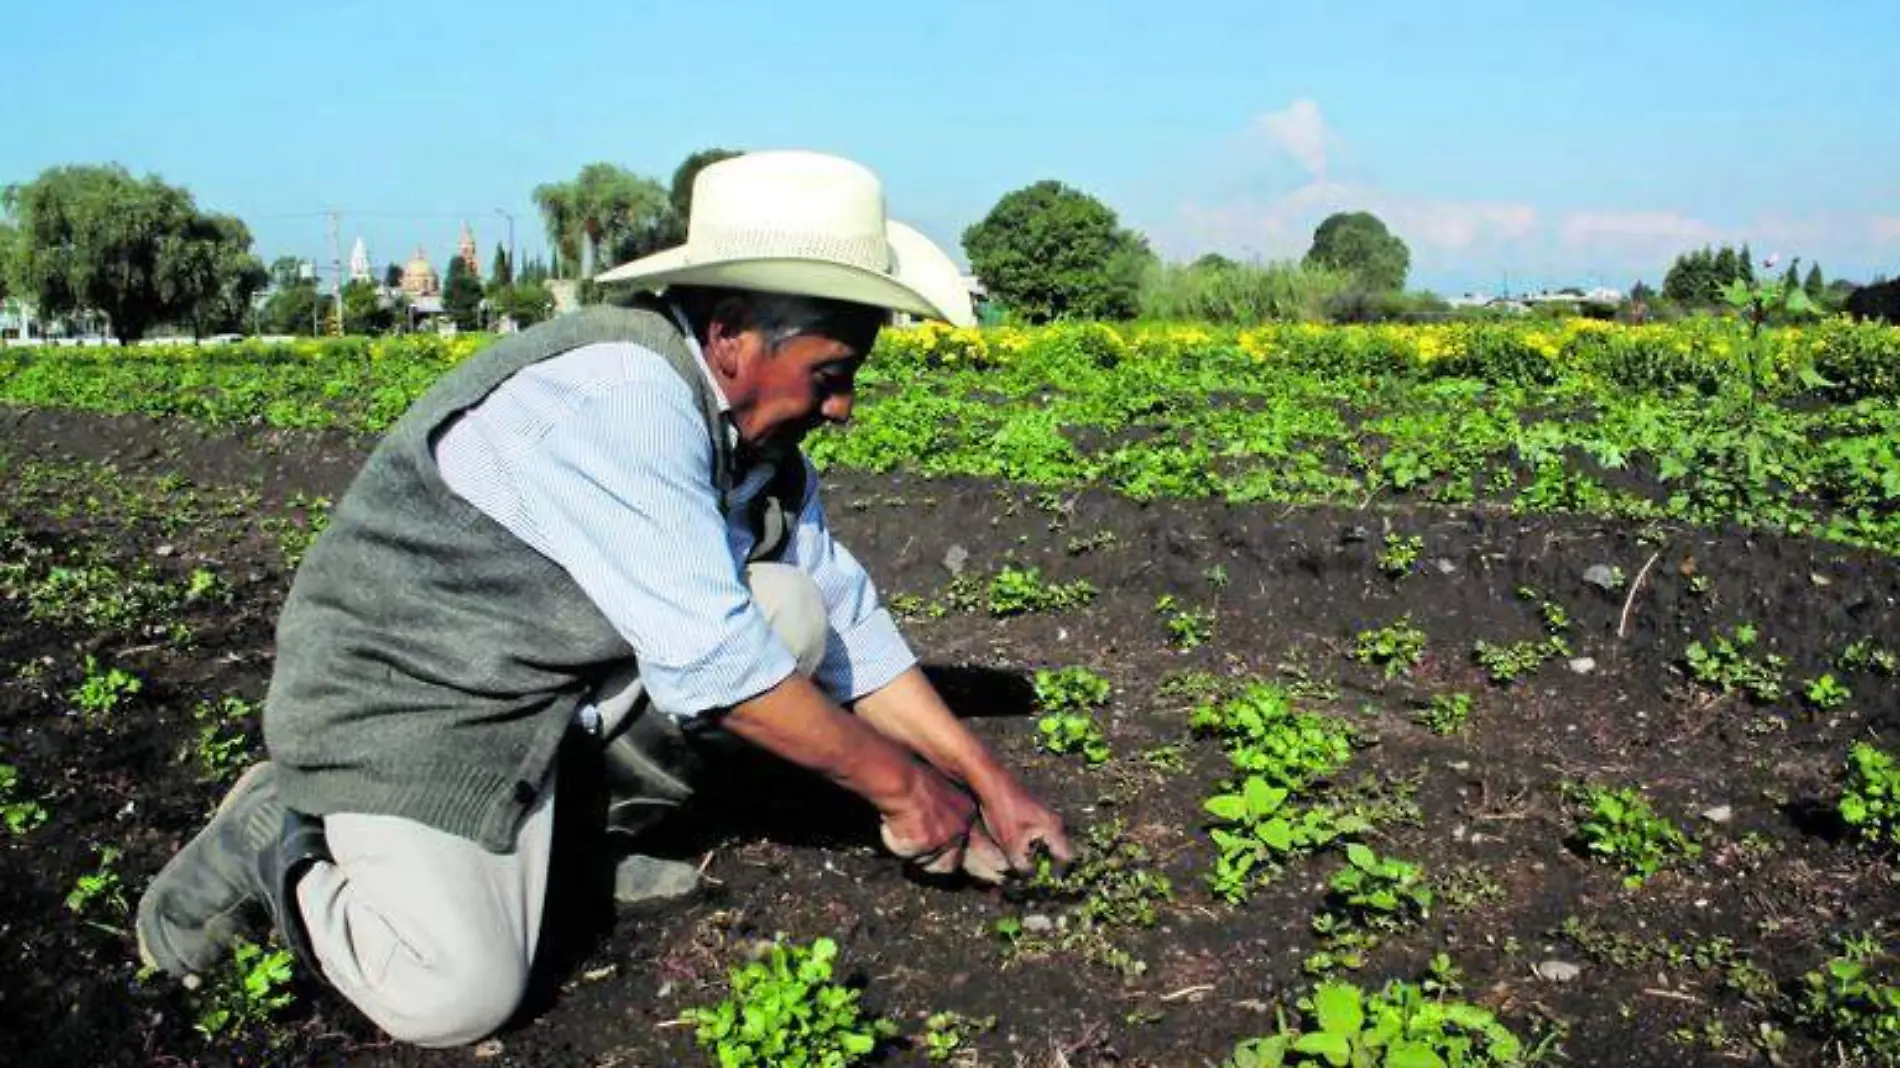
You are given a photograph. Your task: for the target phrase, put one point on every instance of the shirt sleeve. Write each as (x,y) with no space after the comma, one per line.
(865,651)
(620,494)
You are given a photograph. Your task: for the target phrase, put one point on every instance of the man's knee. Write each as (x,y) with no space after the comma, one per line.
(795,609)
(453,1007)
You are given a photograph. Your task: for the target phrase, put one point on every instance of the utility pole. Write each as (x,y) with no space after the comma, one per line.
(513,267)
(336,278)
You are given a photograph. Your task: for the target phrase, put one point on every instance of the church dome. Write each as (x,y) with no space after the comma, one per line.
(419,278)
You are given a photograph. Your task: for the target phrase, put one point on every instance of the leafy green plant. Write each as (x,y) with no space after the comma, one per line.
(1619,825)
(1398,647)
(1853,1004)
(1399,1026)
(1111,886)
(102,691)
(1068,698)
(1368,898)
(946,1032)
(21,814)
(221,747)
(1826,693)
(1864,654)
(246,993)
(1266,736)
(1259,830)
(1018,590)
(1188,628)
(1724,663)
(1505,664)
(1446,714)
(1399,555)
(100,889)
(785,1010)
(1870,800)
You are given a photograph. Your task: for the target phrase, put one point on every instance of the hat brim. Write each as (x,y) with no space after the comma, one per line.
(825,279)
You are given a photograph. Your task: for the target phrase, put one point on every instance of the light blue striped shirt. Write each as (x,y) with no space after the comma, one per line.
(598,459)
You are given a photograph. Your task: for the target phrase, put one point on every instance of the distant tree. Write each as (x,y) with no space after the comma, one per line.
(292,309)
(1048,251)
(1815,286)
(534,269)
(95,238)
(1727,267)
(606,210)
(462,296)
(285,271)
(8,235)
(1641,291)
(1792,277)
(1358,242)
(527,303)
(501,272)
(364,311)
(680,192)
(392,276)
(1834,298)
(1747,272)
(1212,261)
(1876,300)
(1692,280)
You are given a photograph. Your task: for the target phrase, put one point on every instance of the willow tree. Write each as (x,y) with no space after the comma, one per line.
(605,210)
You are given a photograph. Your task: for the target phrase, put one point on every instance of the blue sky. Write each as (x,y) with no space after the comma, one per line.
(1558,144)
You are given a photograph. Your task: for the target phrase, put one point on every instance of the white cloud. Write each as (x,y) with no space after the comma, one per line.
(1622,229)
(1281,227)
(1884,228)
(1300,132)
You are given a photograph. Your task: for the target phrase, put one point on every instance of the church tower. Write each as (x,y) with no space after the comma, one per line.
(466,250)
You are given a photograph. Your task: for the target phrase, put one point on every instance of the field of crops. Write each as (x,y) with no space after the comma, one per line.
(1468,694)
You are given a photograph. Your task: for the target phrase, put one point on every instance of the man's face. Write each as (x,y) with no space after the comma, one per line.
(779,396)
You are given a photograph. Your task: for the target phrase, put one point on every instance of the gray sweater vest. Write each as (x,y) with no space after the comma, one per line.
(428,661)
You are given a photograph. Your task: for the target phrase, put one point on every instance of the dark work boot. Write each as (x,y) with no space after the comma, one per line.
(230,881)
(648,770)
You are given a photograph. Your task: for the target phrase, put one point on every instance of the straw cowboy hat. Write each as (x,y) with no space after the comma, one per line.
(805,224)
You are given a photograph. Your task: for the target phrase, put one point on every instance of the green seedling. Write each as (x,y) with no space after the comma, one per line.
(1853,1004)
(1265,736)
(1870,799)
(1216,576)
(101,891)
(1188,628)
(21,814)
(1368,898)
(1864,654)
(244,996)
(1399,1026)
(1397,648)
(1619,826)
(1446,714)
(222,748)
(1505,664)
(1068,698)
(1724,664)
(784,1009)
(945,1033)
(1400,555)
(1826,693)
(1016,591)
(102,692)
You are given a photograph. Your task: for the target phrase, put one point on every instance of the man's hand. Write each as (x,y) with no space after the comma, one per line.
(934,825)
(1018,823)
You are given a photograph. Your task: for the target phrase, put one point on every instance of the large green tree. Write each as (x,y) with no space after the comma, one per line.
(8,235)
(1359,243)
(95,237)
(680,193)
(527,303)
(1049,251)
(364,311)
(605,211)
(462,295)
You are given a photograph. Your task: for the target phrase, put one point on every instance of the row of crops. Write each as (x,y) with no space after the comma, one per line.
(1796,429)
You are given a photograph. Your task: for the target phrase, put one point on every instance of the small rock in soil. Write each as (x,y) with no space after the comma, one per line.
(1602,576)
(1558,971)
(1444,566)
(490,1048)
(955,558)
(1583,665)
(1719,814)
(1037,923)
(1351,535)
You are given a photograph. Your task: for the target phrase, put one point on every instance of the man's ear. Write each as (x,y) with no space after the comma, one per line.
(724,348)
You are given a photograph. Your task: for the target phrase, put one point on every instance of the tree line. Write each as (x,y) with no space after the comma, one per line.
(80,238)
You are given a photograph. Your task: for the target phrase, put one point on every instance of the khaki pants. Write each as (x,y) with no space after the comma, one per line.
(432,936)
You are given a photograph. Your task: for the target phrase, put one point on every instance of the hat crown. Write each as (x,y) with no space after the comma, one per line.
(789,205)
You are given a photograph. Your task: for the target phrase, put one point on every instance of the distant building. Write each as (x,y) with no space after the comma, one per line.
(360,270)
(465,250)
(419,279)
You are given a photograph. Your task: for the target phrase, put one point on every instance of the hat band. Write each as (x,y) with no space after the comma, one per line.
(867,252)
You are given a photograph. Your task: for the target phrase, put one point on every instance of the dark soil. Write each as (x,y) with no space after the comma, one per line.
(791,855)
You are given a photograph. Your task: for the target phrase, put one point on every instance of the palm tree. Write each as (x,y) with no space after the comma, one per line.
(605,208)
